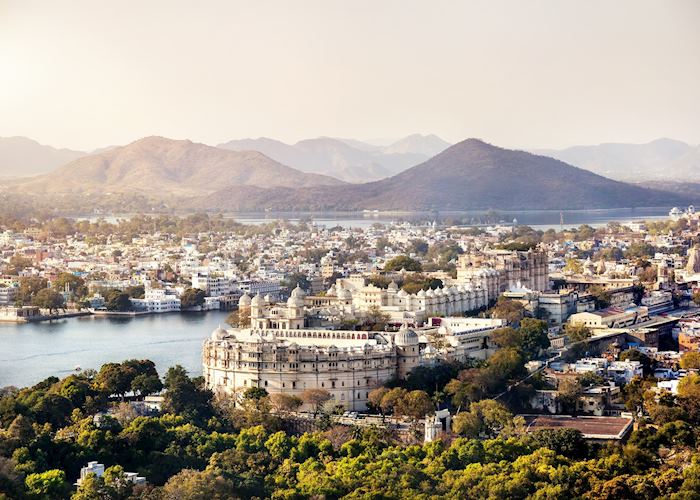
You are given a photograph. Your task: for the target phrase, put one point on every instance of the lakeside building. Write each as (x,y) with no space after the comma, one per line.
(280,354)
(212,285)
(157,300)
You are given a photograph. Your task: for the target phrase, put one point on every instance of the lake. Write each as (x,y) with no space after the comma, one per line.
(31,352)
(538,219)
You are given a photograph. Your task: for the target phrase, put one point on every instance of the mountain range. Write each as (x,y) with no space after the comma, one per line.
(347,159)
(157,166)
(469,175)
(21,157)
(659,160)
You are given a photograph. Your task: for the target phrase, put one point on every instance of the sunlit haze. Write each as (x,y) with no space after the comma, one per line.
(85,74)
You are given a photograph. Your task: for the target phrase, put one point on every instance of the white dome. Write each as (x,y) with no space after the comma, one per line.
(402,293)
(298,292)
(219,334)
(393,286)
(405,337)
(257,301)
(244,300)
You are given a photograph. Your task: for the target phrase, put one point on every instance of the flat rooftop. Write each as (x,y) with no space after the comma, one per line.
(590,427)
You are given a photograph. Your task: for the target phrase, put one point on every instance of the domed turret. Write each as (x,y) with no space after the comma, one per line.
(405,337)
(244,301)
(393,286)
(219,334)
(257,301)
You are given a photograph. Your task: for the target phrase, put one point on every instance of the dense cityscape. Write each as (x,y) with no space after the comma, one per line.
(367,250)
(445,344)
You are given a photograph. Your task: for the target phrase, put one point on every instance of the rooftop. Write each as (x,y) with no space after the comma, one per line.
(590,427)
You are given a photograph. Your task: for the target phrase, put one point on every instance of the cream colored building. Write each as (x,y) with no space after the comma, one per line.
(279,354)
(348,364)
(497,271)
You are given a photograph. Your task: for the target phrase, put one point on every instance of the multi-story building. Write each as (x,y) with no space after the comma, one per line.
(157,300)
(280,354)
(497,271)
(213,285)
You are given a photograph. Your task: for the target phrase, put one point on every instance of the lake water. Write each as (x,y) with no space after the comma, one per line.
(31,352)
(539,219)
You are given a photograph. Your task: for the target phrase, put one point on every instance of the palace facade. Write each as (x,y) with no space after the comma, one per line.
(280,354)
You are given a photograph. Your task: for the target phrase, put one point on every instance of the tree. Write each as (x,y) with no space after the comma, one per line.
(255,393)
(75,284)
(315,398)
(374,400)
(136,291)
(28,287)
(192,297)
(392,399)
(566,442)
(240,318)
(690,360)
(600,296)
(403,262)
(115,378)
(116,300)
(534,336)
(47,485)
(507,337)
(510,310)
(376,319)
(297,279)
(573,266)
(415,404)
(485,418)
(146,384)
(185,396)
(191,484)
(48,299)
(285,403)
(568,394)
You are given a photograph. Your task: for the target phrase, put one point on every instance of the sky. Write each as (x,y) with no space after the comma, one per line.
(528,74)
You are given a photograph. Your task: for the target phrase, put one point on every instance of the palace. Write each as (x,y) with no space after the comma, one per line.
(280,354)
(497,271)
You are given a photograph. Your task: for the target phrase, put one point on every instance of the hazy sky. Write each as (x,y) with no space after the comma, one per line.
(86,74)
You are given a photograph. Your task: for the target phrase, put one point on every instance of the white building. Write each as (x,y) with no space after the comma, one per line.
(213,285)
(157,300)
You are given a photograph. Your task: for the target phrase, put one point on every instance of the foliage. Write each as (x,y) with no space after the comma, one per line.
(403,262)
(116,300)
(48,299)
(510,310)
(690,360)
(192,297)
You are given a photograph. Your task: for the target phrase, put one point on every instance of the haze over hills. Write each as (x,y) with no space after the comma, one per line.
(346,159)
(662,159)
(20,156)
(159,167)
(469,175)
